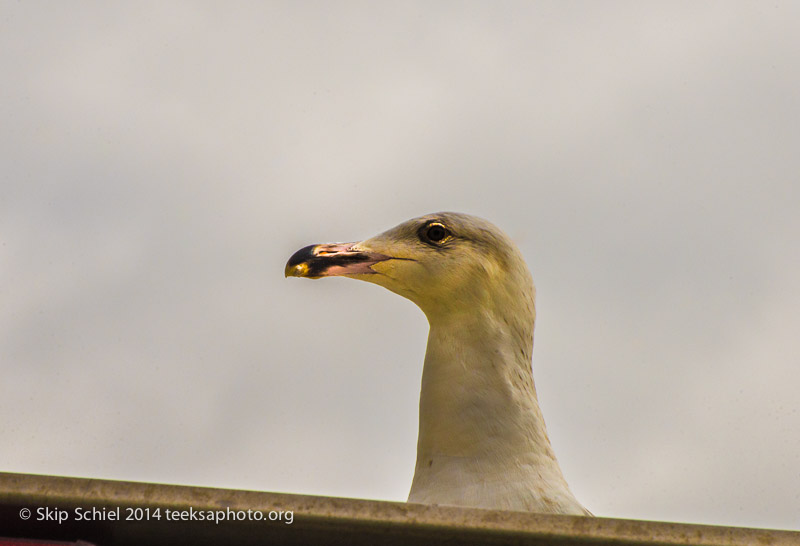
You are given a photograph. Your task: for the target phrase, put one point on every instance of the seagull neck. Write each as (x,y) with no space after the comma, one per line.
(478,398)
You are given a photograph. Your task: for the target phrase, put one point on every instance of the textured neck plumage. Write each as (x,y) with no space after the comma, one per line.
(482,439)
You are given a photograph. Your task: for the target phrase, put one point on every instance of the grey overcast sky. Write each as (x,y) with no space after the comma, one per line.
(160,161)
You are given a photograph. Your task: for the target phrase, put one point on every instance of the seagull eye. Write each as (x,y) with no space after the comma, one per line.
(435,232)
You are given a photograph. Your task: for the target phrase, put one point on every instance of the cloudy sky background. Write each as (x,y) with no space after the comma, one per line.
(160,161)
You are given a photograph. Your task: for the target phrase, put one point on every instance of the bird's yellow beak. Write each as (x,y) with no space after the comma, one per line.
(329,260)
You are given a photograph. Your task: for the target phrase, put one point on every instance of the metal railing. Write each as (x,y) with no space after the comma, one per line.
(106,512)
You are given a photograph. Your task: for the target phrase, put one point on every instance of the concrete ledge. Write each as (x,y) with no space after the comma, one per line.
(315,520)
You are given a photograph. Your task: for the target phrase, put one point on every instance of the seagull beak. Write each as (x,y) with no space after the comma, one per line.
(341,259)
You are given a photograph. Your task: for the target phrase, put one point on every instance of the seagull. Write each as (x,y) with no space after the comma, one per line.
(482,439)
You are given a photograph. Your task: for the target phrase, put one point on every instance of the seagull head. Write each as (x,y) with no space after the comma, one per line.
(444,262)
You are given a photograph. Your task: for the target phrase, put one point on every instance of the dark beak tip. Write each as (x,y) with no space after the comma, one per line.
(299,263)
(301,256)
